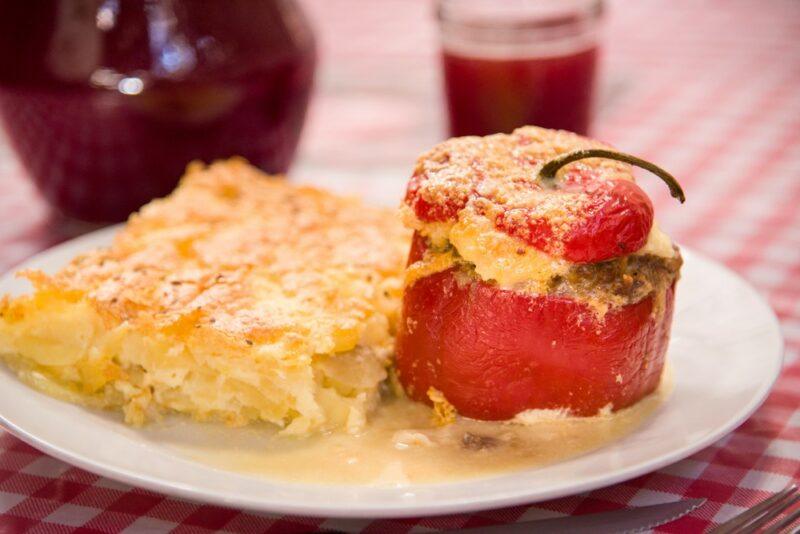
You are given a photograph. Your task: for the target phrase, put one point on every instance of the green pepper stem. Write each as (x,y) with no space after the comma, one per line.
(549,169)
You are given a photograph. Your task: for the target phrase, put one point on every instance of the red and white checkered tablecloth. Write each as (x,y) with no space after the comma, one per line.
(710,89)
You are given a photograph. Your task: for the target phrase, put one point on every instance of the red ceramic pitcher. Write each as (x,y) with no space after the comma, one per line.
(106,101)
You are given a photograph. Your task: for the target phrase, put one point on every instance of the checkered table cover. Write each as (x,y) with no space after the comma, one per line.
(709,89)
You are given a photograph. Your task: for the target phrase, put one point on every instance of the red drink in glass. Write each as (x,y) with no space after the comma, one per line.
(487,95)
(522,62)
(105,102)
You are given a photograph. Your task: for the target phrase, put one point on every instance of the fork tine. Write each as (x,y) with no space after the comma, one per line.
(772,513)
(747,516)
(783,523)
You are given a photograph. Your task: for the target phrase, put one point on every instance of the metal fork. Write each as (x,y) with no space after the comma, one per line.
(759,515)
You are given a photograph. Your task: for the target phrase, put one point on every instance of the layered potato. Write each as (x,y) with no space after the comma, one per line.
(238,298)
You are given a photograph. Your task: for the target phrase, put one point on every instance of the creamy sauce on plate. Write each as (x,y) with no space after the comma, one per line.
(402,445)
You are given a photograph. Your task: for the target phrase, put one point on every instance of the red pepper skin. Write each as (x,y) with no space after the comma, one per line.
(619,215)
(495,352)
(621,221)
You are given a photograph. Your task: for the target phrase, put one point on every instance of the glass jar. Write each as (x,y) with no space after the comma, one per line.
(106,101)
(512,63)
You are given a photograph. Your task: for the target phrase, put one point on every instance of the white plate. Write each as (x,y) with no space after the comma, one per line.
(726,352)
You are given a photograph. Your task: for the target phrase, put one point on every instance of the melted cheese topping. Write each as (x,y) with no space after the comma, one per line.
(658,244)
(498,257)
(432,263)
(502,258)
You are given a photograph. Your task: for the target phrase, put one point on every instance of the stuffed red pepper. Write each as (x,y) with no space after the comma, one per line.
(537,278)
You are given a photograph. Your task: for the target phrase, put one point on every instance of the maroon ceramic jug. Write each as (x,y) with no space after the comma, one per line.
(106,101)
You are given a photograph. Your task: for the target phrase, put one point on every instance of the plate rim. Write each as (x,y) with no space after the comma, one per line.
(398,509)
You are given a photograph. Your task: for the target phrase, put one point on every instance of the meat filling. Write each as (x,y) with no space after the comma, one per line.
(621,281)
(618,282)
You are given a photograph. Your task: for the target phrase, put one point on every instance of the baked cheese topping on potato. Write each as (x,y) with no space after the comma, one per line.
(238,298)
